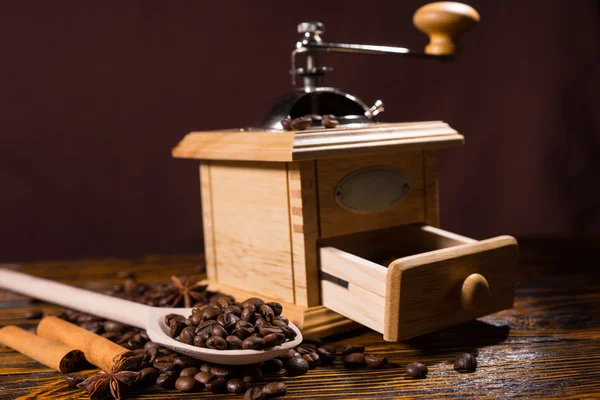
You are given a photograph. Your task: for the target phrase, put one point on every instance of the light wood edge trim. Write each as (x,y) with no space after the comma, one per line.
(366,274)
(360,309)
(397,267)
(210,253)
(449,235)
(343,150)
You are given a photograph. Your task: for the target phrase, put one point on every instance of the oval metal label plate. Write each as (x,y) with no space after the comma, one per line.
(371,189)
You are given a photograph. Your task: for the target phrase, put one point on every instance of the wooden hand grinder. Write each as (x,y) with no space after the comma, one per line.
(341,225)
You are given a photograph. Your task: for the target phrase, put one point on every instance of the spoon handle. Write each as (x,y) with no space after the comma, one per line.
(112,308)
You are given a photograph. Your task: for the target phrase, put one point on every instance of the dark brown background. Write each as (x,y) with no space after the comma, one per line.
(95,94)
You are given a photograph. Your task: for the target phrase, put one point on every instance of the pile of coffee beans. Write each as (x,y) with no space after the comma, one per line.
(302,123)
(228,325)
(219,322)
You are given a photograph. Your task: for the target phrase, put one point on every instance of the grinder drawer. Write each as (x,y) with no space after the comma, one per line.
(410,280)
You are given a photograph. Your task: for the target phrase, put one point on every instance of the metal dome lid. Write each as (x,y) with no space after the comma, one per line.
(318,101)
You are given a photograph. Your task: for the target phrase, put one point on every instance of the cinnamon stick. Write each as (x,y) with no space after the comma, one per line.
(99,351)
(53,354)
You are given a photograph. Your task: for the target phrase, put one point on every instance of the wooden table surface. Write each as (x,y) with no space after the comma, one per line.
(547,346)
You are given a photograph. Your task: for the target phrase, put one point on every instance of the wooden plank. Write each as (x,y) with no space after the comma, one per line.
(305,227)
(423,291)
(251,227)
(336,221)
(432,196)
(351,268)
(547,346)
(207,221)
(260,145)
(358,308)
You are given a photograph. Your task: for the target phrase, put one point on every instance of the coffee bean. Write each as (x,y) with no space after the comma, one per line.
(268,329)
(276,307)
(113,326)
(254,343)
(255,394)
(218,330)
(312,360)
(283,319)
(93,326)
(223,302)
(312,341)
(176,327)
(465,362)
(325,356)
(166,381)
(252,374)
(228,320)
(274,389)
(148,375)
(223,371)
(416,370)
(253,301)
(271,366)
(354,360)
(199,341)
(329,121)
(216,342)
(211,313)
(286,124)
(374,361)
(267,312)
(353,348)
(204,377)
(296,366)
(308,346)
(285,357)
(248,315)
(234,342)
(195,319)
(206,367)
(235,310)
(185,361)
(74,379)
(217,385)
(205,324)
(274,339)
(189,372)
(187,384)
(187,335)
(300,124)
(288,332)
(237,386)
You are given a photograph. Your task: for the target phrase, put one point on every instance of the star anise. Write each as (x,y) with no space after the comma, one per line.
(185,293)
(103,384)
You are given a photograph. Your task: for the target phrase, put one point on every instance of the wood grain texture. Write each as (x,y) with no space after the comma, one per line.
(246,196)
(258,145)
(423,291)
(304,220)
(336,221)
(547,346)
(207,221)
(432,195)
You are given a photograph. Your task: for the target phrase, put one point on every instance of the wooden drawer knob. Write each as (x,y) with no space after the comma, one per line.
(475,291)
(444,22)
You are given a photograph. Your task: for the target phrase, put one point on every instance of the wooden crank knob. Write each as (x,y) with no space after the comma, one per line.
(475,292)
(444,22)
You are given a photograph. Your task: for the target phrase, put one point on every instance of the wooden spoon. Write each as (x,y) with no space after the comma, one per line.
(152,319)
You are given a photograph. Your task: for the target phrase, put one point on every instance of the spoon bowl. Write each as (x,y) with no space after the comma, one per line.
(152,319)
